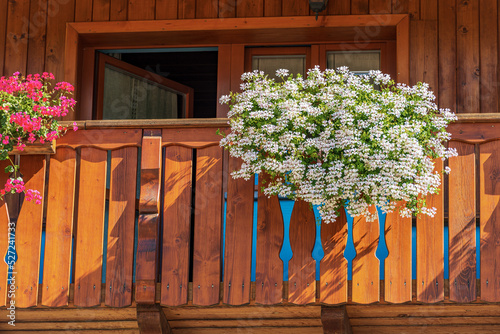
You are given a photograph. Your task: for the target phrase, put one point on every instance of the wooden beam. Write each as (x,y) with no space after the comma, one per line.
(152,320)
(335,320)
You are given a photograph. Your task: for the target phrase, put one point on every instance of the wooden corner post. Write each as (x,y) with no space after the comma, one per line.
(335,320)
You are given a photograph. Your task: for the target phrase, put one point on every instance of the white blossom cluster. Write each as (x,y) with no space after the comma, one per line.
(338,139)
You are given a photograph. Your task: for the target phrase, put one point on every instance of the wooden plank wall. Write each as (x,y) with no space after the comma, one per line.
(454,43)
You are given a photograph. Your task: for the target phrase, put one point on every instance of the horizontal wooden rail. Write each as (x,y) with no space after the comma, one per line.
(169,181)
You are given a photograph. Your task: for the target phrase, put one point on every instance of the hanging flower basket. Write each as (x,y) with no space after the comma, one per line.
(338,139)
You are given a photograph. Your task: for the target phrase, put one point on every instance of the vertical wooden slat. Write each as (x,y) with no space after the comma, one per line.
(224,78)
(207,226)
(59,13)
(166,9)
(380,6)
(238,249)
(90,227)
(29,234)
(118,10)
(37,30)
(340,7)
(59,228)
(227,8)
(462,223)
(16,44)
(488,34)
(468,57)
(4,235)
(428,10)
(83,10)
(403,51)
(489,180)
(423,53)
(186,9)
(176,225)
(430,248)
(400,6)
(302,266)
(333,267)
(269,266)
(3,31)
(207,9)
(141,10)
(398,264)
(250,8)
(359,7)
(101,10)
(414,9)
(120,254)
(295,8)
(149,206)
(365,266)
(447,55)
(272,7)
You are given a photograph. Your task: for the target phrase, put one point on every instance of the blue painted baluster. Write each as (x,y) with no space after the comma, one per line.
(350,250)
(382,252)
(318,253)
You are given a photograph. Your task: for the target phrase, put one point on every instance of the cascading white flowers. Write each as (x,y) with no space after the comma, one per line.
(338,139)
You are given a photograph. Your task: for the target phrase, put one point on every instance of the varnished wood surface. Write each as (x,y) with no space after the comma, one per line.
(462,223)
(430,249)
(59,228)
(176,225)
(90,227)
(238,246)
(302,266)
(269,266)
(207,226)
(333,267)
(120,253)
(489,177)
(4,237)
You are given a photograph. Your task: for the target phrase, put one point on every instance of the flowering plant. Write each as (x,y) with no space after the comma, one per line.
(338,139)
(28,107)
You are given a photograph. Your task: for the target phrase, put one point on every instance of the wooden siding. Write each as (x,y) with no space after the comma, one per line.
(454,44)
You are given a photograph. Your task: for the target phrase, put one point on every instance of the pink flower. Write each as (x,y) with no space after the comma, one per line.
(75,126)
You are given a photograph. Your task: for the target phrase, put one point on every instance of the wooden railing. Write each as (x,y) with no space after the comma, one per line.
(149,202)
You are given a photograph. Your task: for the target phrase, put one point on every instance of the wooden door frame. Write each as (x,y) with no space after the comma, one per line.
(84,38)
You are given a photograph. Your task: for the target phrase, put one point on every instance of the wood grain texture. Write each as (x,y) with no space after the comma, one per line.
(207,9)
(397,280)
(176,225)
(489,181)
(29,234)
(428,10)
(468,94)
(37,30)
(424,53)
(488,44)
(238,246)
(333,267)
(250,8)
(227,8)
(141,10)
(186,9)
(272,7)
(365,266)
(90,227)
(195,138)
(101,10)
(270,231)
(430,248)
(380,6)
(58,14)
(359,7)
(414,9)
(295,8)
(16,43)
(207,226)
(4,236)
(3,30)
(106,139)
(302,266)
(462,223)
(118,10)
(224,77)
(335,320)
(447,41)
(59,228)
(120,254)
(166,10)
(148,224)
(83,10)
(400,6)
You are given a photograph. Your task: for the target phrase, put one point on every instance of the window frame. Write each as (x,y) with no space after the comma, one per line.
(84,39)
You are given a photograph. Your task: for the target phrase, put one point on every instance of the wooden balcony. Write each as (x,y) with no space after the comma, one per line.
(145,213)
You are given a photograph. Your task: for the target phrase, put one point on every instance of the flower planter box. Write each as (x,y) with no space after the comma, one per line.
(36,148)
